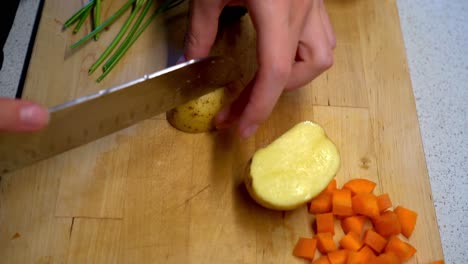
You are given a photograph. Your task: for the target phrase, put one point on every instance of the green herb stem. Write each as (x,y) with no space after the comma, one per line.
(78,14)
(104,24)
(163,8)
(82,20)
(97,17)
(130,35)
(117,39)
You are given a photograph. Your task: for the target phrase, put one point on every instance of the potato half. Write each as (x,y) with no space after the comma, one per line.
(294,168)
(197,115)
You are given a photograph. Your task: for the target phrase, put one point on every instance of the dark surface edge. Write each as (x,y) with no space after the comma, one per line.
(32,42)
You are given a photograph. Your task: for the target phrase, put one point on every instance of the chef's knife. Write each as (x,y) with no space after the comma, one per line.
(88,118)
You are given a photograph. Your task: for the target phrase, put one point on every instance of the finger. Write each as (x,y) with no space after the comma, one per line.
(327,25)
(202,29)
(314,53)
(16,115)
(274,62)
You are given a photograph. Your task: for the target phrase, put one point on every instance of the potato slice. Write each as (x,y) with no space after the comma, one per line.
(294,168)
(197,115)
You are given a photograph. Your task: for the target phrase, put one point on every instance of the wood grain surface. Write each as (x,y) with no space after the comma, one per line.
(152,194)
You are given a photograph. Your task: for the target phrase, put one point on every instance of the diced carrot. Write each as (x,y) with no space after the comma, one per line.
(401,249)
(354,258)
(342,203)
(366,254)
(374,240)
(384,202)
(365,204)
(359,186)
(387,224)
(322,203)
(441,261)
(386,258)
(407,220)
(325,243)
(351,241)
(325,223)
(338,256)
(363,256)
(322,260)
(353,223)
(331,186)
(305,248)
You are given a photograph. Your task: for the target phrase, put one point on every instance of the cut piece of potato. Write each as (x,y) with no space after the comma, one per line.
(197,115)
(294,168)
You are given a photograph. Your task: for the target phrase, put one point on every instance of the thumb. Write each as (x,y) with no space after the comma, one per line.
(202,29)
(18,115)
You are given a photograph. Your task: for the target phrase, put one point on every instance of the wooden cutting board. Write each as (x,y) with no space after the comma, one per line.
(153,194)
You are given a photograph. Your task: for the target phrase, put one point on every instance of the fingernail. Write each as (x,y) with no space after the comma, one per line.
(32,116)
(250,130)
(181,59)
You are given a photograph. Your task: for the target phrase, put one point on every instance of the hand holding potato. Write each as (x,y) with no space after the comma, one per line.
(295,43)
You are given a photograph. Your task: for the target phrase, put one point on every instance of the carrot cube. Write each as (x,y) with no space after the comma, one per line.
(407,220)
(384,202)
(359,186)
(322,203)
(401,249)
(351,241)
(331,186)
(365,204)
(342,203)
(387,224)
(322,260)
(338,256)
(325,223)
(374,240)
(325,243)
(354,224)
(305,248)
(386,258)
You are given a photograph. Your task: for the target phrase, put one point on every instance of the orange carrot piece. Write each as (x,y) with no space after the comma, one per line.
(407,220)
(401,249)
(441,261)
(305,248)
(338,256)
(384,202)
(322,260)
(342,203)
(387,224)
(366,254)
(322,203)
(354,258)
(386,258)
(354,224)
(363,256)
(325,223)
(331,186)
(374,240)
(351,241)
(325,243)
(360,186)
(365,204)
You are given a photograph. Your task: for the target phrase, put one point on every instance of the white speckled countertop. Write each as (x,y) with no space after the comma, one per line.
(436,40)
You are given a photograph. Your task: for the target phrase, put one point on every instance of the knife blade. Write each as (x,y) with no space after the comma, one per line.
(91,117)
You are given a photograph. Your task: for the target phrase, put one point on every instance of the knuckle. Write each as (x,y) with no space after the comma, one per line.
(324,60)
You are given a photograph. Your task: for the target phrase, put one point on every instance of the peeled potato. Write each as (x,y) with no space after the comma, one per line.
(197,115)
(294,168)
